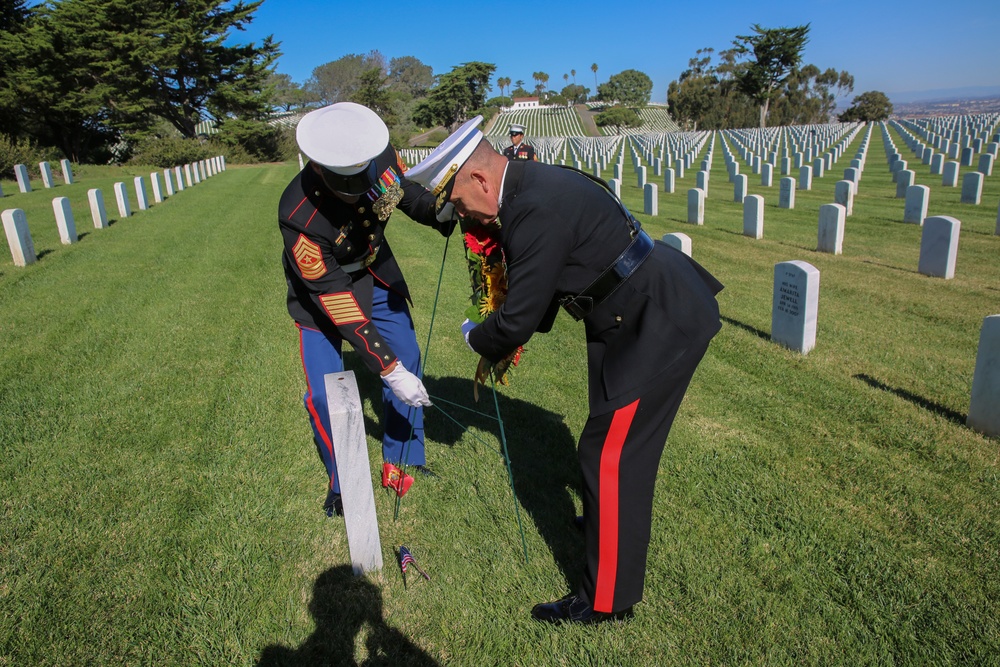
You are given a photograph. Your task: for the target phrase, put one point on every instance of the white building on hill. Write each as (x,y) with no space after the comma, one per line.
(525,103)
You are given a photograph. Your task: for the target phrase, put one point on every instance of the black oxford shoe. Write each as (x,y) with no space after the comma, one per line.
(571,609)
(333,504)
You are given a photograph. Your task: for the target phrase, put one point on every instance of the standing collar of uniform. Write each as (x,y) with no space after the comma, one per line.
(502,182)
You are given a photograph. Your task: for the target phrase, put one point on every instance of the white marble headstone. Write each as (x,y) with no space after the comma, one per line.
(904,179)
(142,198)
(154,179)
(22,248)
(739,188)
(21,174)
(831,229)
(753,216)
(984,406)
(168,182)
(64,220)
(701,181)
(46,169)
(696,206)
(917,199)
(650,200)
(347,423)
(843,194)
(616,187)
(805,177)
(972,188)
(67,172)
(766,174)
(795,305)
(97,211)
(939,246)
(680,241)
(121,196)
(950,177)
(786,192)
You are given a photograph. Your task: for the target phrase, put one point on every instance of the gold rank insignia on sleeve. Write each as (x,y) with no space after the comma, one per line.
(342,308)
(309,258)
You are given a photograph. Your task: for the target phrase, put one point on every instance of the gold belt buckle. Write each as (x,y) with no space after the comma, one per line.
(370,259)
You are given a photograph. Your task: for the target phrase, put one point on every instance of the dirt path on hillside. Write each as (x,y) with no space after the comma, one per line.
(587,120)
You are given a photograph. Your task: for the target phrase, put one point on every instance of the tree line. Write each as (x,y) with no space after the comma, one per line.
(110,80)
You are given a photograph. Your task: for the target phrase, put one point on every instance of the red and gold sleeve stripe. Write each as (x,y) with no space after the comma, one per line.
(309,258)
(342,308)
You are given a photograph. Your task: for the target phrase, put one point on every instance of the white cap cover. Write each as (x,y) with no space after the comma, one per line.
(343,137)
(435,171)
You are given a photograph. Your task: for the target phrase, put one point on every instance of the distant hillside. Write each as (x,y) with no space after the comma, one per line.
(945,94)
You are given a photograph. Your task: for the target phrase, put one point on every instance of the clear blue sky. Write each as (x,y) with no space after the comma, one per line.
(894,47)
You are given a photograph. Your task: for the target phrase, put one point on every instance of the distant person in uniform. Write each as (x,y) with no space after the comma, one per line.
(518,150)
(344,283)
(649,312)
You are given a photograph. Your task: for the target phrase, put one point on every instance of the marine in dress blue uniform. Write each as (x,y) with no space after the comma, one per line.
(344,283)
(518,150)
(649,313)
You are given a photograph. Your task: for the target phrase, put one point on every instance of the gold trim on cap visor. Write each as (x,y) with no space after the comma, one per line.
(444,179)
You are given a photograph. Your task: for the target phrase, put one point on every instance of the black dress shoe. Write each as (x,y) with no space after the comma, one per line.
(426,472)
(333,504)
(571,609)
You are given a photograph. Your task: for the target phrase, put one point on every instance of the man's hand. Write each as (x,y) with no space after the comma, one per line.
(448,216)
(406,386)
(467,326)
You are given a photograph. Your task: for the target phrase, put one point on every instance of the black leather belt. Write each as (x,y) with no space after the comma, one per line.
(583,304)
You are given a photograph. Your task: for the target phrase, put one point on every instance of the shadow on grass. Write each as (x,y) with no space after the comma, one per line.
(920,401)
(797,246)
(746,327)
(343,605)
(887,266)
(543,460)
(542,453)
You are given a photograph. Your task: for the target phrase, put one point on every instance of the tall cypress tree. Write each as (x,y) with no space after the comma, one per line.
(82,70)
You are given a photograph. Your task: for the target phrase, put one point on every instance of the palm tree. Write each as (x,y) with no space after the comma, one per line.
(573,72)
(593,68)
(543,79)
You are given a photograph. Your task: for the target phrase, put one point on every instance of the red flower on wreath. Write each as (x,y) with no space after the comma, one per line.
(481,241)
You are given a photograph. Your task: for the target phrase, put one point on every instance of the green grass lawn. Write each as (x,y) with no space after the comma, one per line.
(161,493)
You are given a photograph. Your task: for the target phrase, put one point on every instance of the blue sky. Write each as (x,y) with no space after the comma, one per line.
(895,47)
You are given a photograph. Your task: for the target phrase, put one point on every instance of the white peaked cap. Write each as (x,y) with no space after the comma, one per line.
(436,170)
(343,137)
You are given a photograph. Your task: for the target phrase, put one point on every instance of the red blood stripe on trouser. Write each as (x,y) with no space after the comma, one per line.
(319,356)
(607,570)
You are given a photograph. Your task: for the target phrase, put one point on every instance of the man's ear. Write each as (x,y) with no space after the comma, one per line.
(479,176)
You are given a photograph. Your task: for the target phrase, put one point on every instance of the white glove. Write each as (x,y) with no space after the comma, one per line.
(467,326)
(447,213)
(406,386)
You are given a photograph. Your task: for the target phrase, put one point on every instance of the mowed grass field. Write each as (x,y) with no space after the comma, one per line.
(161,494)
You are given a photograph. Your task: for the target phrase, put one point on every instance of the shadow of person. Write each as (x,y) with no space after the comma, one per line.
(342,606)
(542,454)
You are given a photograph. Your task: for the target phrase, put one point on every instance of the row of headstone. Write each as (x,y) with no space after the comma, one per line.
(15,222)
(916,197)
(45,169)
